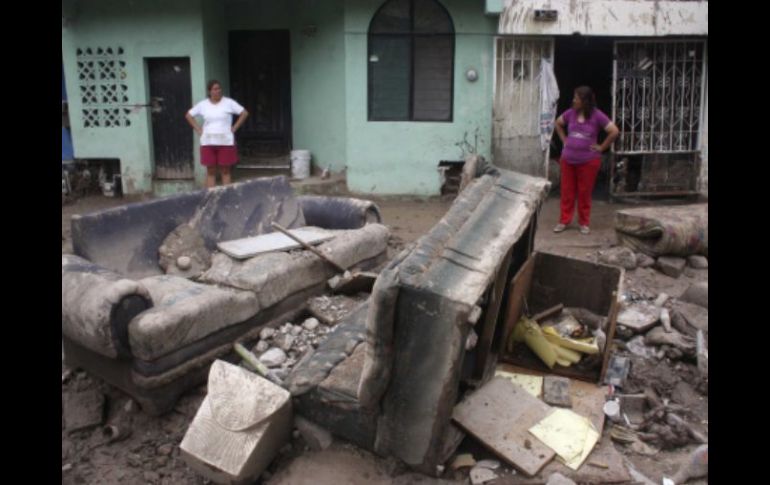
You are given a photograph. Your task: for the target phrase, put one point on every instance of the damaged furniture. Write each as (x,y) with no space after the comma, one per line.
(665,231)
(390,374)
(148,305)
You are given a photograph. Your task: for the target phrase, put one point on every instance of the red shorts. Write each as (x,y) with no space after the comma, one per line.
(222,155)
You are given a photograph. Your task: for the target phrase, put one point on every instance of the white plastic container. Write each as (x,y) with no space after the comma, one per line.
(300,164)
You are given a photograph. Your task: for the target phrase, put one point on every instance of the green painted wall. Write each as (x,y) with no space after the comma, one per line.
(317,69)
(402,157)
(144,28)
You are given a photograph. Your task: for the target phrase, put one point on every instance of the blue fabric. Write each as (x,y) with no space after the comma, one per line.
(66,145)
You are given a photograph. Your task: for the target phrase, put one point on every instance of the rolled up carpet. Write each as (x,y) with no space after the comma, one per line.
(660,231)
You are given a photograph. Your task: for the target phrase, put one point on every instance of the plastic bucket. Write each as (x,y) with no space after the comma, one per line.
(300,164)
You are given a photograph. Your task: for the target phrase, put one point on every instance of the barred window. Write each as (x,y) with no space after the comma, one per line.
(411,61)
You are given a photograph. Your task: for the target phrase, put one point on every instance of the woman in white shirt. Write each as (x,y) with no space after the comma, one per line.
(217,134)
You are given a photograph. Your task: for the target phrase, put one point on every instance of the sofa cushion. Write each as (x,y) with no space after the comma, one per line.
(185,312)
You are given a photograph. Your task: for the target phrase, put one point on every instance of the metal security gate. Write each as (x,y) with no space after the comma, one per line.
(658,92)
(516,111)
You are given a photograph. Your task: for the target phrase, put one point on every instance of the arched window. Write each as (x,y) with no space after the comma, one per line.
(411,62)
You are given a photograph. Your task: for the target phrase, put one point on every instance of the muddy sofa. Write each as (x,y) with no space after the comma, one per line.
(389,375)
(154,332)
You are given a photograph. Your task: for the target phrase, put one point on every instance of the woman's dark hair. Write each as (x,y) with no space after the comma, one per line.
(210,85)
(588,98)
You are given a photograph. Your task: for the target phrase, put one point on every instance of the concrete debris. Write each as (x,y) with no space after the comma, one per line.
(639,317)
(284,341)
(697,261)
(559,479)
(296,330)
(481,475)
(266,333)
(659,336)
(490,464)
(661,299)
(619,256)
(644,261)
(556,391)
(638,346)
(617,370)
(273,357)
(665,319)
(83,410)
(261,347)
(702,355)
(311,324)
(315,436)
(698,294)
(671,266)
(696,466)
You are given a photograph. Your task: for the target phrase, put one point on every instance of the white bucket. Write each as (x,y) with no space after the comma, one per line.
(300,164)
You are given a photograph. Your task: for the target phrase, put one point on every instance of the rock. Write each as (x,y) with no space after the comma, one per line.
(281,374)
(166,449)
(315,436)
(481,475)
(556,391)
(261,346)
(638,346)
(83,410)
(286,327)
(284,341)
(559,479)
(695,315)
(698,262)
(696,466)
(661,299)
(698,294)
(490,464)
(685,395)
(639,317)
(644,261)
(671,266)
(266,333)
(183,262)
(273,357)
(67,467)
(311,324)
(619,256)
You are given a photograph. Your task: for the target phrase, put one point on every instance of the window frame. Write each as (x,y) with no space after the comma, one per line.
(411,35)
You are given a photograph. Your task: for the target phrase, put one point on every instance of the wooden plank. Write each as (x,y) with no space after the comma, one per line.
(520,285)
(499,415)
(545,314)
(275,241)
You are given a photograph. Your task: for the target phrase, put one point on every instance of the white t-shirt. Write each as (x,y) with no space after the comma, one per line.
(217,120)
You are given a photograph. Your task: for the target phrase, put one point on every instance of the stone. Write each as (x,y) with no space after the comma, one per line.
(481,475)
(698,262)
(559,479)
(83,410)
(296,330)
(151,477)
(315,436)
(284,341)
(261,346)
(266,333)
(697,293)
(273,357)
(671,266)
(644,261)
(695,315)
(490,464)
(311,324)
(183,262)
(639,317)
(619,256)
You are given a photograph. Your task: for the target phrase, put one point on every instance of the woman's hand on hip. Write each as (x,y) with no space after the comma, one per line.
(597,148)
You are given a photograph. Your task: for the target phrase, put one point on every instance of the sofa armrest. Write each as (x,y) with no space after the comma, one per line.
(338,212)
(98,304)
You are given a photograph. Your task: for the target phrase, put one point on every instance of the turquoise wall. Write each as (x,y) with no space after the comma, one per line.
(402,157)
(317,69)
(144,28)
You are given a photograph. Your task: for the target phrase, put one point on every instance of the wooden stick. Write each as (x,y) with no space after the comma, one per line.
(307,246)
(554,310)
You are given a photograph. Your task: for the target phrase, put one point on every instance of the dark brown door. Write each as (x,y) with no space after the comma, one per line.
(170,98)
(260,82)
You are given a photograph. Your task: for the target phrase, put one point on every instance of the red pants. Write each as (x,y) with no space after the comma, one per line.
(578,179)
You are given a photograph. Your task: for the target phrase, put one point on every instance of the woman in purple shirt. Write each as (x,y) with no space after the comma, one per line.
(581,156)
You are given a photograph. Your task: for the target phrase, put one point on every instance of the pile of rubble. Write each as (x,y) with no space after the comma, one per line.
(672,266)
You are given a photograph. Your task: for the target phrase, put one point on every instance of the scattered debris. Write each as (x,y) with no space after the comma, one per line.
(556,391)
(661,299)
(266,333)
(633,406)
(481,475)
(644,261)
(569,434)
(695,315)
(619,256)
(671,266)
(472,340)
(639,317)
(83,410)
(115,432)
(311,324)
(617,371)
(665,319)
(273,357)
(702,355)
(314,435)
(352,283)
(612,410)
(659,336)
(490,464)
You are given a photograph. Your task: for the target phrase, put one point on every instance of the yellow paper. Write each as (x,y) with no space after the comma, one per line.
(531,384)
(566,433)
(592,437)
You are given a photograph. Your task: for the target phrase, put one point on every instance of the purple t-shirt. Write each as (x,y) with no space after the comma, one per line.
(580,136)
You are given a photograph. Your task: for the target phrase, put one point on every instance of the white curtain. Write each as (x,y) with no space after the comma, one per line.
(549,97)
